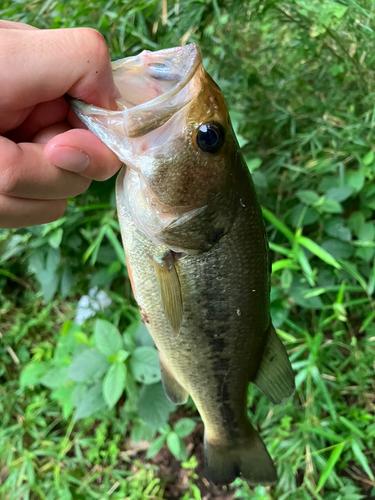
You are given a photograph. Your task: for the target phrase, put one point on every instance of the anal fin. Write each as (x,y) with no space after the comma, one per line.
(170,290)
(172,388)
(275,376)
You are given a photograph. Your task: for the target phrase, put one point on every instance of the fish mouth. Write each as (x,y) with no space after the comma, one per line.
(153,87)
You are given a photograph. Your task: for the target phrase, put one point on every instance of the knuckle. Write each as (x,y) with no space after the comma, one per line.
(95,44)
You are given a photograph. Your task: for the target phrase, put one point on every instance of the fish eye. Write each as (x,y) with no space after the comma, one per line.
(210,137)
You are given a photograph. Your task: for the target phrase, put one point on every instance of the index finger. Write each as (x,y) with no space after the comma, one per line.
(41,65)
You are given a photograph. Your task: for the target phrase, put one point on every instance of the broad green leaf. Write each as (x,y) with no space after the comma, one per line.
(156,446)
(334,457)
(286,278)
(307,197)
(63,395)
(184,427)
(174,444)
(153,406)
(89,365)
(142,336)
(331,206)
(367,232)
(253,163)
(337,229)
(355,180)
(369,158)
(338,249)
(339,193)
(55,377)
(310,215)
(32,373)
(144,364)
(66,282)
(91,402)
(142,432)
(107,337)
(318,251)
(355,222)
(114,383)
(55,238)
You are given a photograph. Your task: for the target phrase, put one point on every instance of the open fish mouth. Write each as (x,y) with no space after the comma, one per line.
(153,87)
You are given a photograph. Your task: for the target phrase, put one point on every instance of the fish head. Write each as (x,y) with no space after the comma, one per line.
(171,130)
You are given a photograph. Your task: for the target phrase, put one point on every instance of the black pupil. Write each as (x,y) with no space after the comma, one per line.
(210,137)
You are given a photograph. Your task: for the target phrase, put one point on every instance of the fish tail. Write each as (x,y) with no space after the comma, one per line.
(248,459)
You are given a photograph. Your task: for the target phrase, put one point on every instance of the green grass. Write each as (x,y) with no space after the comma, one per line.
(298,77)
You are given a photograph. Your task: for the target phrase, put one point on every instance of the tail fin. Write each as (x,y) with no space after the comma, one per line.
(248,459)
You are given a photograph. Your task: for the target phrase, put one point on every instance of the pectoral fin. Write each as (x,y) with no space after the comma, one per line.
(170,290)
(275,375)
(172,388)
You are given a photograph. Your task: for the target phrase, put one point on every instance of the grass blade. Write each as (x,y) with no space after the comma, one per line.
(334,457)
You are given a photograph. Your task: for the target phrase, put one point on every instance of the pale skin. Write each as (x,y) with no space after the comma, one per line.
(46,154)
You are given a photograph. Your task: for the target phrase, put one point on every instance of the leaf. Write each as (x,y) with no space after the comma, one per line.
(319,381)
(63,395)
(337,229)
(278,224)
(356,180)
(55,238)
(156,446)
(91,402)
(286,278)
(339,193)
(361,457)
(114,383)
(307,197)
(338,249)
(367,232)
(331,206)
(32,373)
(144,364)
(253,163)
(334,457)
(116,245)
(153,406)
(355,222)
(66,282)
(318,251)
(311,215)
(369,158)
(107,338)
(184,427)
(142,336)
(55,377)
(89,365)
(174,444)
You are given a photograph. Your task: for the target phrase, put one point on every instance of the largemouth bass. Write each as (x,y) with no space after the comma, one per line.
(196,250)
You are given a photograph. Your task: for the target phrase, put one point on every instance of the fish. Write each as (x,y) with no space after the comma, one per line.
(196,250)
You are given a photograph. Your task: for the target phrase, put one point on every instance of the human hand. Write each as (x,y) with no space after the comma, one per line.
(46,155)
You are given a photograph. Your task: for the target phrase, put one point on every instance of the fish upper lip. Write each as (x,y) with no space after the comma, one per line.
(189,59)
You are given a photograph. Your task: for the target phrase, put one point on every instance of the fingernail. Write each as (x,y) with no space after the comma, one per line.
(69,158)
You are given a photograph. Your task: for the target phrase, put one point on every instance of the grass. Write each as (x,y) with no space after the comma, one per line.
(298,77)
